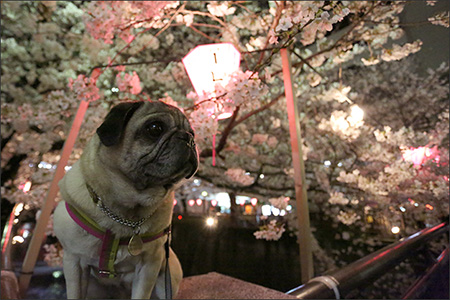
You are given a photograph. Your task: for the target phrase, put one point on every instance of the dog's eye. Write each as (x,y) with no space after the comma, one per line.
(155,129)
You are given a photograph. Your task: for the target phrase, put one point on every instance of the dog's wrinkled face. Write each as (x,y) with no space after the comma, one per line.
(151,143)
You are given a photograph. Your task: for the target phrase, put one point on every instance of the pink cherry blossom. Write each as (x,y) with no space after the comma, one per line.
(85,88)
(129,83)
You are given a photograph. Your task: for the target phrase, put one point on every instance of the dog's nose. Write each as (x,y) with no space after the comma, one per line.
(191,142)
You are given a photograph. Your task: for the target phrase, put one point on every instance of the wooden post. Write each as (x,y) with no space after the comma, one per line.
(49,204)
(304,231)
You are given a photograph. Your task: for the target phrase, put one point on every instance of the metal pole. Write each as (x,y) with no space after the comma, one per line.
(367,269)
(41,225)
(304,231)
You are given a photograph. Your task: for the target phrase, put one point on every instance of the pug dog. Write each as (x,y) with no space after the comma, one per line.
(120,193)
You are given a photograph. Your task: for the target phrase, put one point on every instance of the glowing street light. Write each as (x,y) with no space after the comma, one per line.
(395,230)
(210,221)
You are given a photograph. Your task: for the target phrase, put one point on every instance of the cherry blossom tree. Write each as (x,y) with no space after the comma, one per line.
(365,113)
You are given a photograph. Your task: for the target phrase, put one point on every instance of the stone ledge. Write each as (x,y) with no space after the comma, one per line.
(9,285)
(217,286)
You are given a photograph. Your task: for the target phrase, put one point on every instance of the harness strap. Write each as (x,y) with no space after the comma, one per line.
(108,252)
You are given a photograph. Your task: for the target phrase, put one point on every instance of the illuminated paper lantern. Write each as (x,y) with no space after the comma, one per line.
(207,65)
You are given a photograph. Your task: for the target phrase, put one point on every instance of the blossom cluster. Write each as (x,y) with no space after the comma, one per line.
(338,198)
(441,18)
(85,88)
(204,125)
(129,83)
(343,124)
(221,8)
(347,217)
(270,232)
(53,255)
(398,52)
(311,16)
(260,138)
(240,176)
(107,19)
(280,202)
(244,89)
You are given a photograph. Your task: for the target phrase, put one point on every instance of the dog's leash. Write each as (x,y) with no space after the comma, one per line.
(110,245)
(167,277)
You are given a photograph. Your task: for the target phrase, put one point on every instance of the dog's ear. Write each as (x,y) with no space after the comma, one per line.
(115,122)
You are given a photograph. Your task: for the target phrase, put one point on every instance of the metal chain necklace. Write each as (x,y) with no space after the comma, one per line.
(135,245)
(118,219)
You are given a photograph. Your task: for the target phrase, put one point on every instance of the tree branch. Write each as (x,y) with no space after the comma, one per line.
(233,123)
(262,108)
(225,133)
(204,34)
(133,64)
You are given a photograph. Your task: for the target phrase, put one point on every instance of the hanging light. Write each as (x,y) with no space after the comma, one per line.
(207,65)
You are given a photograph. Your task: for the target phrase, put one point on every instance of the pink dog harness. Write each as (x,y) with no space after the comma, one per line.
(110,244)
